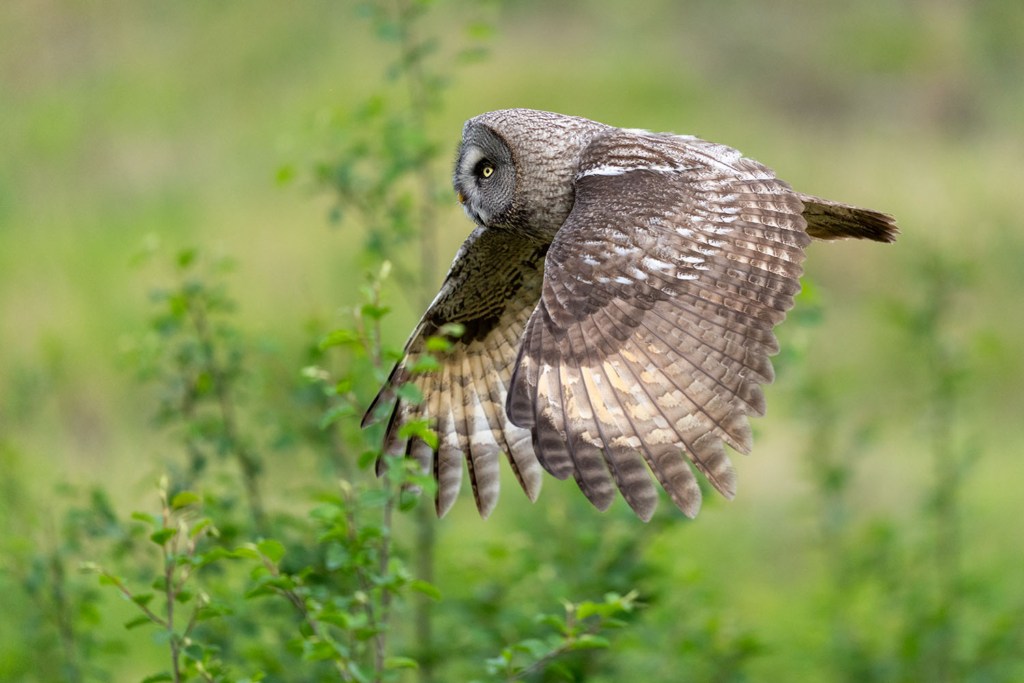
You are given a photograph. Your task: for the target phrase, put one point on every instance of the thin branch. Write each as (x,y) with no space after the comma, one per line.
(193,620)
(425,531)
(61,615)
(128,594)
(169,566)
(385,595)
(554,654)
(299,603)
(364,583)
(246,461)
(372,350)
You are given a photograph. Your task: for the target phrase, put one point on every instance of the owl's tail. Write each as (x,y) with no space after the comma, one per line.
(828,220)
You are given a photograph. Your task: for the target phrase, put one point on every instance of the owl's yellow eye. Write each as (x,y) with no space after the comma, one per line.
(487,171)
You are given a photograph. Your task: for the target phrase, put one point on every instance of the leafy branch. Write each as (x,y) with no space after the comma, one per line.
(579,629)
(178,533)
(197,357)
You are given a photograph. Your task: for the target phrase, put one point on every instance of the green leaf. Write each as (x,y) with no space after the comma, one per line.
(319,651)
(271,549)
(420,428)
(245,552)
(328,512)
(424,363)
(587,609)
(259,592)
(194,652)
(212,611)
(438,344)
(184,498)
(452,330)
(561,670)
(554,621)
(106,580)
(187,257)
(198,527)
(284,582)
(162,536)
(480,31)
(375,312)
(335,413)
(410,393)
(499,664)
(142,599)
(366,633)
(138,621)
(284,174)
(588,641)
(337,557)
(340,337)
(407,500)
(211,556)
(158,678)
(426,588)
(537,649)
(400,663)
(146,517)
(339,619)
(367,458)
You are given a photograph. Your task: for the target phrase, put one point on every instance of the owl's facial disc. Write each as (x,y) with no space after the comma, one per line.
(485,176)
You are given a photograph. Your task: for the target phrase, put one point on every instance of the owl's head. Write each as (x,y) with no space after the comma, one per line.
(516,168)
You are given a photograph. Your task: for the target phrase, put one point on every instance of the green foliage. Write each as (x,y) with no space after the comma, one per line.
(62,634)
(580,628)
(198,358)
(180,534)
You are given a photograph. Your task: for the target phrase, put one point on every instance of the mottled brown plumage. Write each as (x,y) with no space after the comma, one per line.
(618,300)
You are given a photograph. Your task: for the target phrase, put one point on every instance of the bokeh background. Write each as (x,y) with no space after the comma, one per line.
(896,422)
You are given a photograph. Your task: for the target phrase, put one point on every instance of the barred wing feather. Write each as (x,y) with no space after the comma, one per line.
(491,289)
(654,326)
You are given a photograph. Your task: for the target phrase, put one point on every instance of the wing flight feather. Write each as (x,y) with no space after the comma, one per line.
(491,289)
(659,297)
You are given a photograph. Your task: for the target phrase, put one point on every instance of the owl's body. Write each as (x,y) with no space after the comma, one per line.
(618,298)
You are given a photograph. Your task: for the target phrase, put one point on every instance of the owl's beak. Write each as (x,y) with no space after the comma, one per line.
(462,200)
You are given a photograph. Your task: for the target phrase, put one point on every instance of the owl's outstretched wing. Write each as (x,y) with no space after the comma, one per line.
(491,289)
(654,326)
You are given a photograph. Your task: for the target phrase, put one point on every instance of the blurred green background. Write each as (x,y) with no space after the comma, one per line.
(129,123)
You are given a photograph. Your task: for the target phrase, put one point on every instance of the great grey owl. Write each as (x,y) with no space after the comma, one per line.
(618,297)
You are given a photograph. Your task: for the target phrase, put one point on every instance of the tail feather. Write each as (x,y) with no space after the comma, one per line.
(828,220)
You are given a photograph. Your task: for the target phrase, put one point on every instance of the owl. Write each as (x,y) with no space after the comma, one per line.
(617,301)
